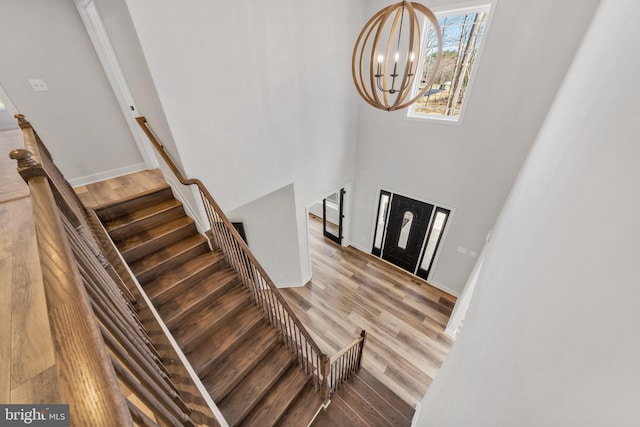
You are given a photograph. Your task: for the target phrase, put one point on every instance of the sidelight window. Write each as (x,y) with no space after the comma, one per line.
(381,221)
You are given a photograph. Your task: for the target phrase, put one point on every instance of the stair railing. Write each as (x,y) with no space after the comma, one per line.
(109,370)
(328,373)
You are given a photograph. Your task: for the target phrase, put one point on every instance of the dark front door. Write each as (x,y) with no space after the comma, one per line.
(406,229)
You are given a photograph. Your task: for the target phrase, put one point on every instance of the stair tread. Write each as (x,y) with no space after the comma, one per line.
(202,292)
(188,247)
(216,341)
(280,397)
(339,414)
(121,207)
(182,276)
(229,371)
(242,399)
(361,407)
(189,328)
(140,214)
(303,409)
(377,402)
(387,394)
(144,237)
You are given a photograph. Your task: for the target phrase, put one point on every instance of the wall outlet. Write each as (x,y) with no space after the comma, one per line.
(38,85)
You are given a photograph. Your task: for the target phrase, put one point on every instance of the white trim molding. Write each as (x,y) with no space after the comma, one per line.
(106,54)
(102,176)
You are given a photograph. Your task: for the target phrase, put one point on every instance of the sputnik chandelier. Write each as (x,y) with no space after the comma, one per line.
(386,54)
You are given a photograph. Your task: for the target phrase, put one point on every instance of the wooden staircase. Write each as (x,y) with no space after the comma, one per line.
(240,358)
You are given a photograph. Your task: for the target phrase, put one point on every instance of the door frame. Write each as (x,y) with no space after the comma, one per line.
(436,205)
(338,239)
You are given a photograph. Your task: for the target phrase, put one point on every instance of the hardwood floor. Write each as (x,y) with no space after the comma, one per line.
(404,316)
(120,188)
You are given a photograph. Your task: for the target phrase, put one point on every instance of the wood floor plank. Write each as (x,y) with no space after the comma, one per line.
(6,270)
(13,186)
(113,190)
(40,389)
(404,316)
(405,409)
(31,341)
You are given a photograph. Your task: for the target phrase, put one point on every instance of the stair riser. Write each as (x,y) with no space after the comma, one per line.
(202,304)
(195,277)
(146,223)
(160,242)
(112,212)
(171,263)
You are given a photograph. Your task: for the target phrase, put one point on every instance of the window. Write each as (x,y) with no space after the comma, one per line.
(381,221)
(405,229)
(462,34)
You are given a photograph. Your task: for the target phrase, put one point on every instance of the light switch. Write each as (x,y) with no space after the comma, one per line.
(463,250)
(473,254)
(38,85)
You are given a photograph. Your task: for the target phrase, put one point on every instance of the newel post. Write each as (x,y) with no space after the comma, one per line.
(325,365)
(363,334)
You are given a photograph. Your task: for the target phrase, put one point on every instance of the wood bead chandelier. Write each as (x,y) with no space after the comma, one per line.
(386,54)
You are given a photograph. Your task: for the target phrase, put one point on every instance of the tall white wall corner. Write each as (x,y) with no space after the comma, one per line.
(462,304)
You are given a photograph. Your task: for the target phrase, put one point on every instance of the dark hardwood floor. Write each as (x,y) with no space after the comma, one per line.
(403,315)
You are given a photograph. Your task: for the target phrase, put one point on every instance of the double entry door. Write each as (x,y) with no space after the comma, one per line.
(408,232)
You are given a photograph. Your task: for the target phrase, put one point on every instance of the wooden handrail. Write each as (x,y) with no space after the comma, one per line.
(142,121)
(327,377)
(87,377)
(102,346)
(348,347)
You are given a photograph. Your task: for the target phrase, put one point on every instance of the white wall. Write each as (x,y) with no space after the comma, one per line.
(6,120)
(258,95)
(551,336)
(471,166)
(267,223)
(122,34)
(78,117)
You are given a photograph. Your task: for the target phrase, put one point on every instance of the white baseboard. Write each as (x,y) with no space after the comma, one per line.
(440,286)
(445,288)
(101,176)
(414,420)
(293,285)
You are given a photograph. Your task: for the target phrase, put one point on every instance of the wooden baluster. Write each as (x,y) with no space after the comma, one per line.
(144,371)
(115,327)
(153,397)
(132,329)
(139,417)
(363,334)
(325,363)
(97,277)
